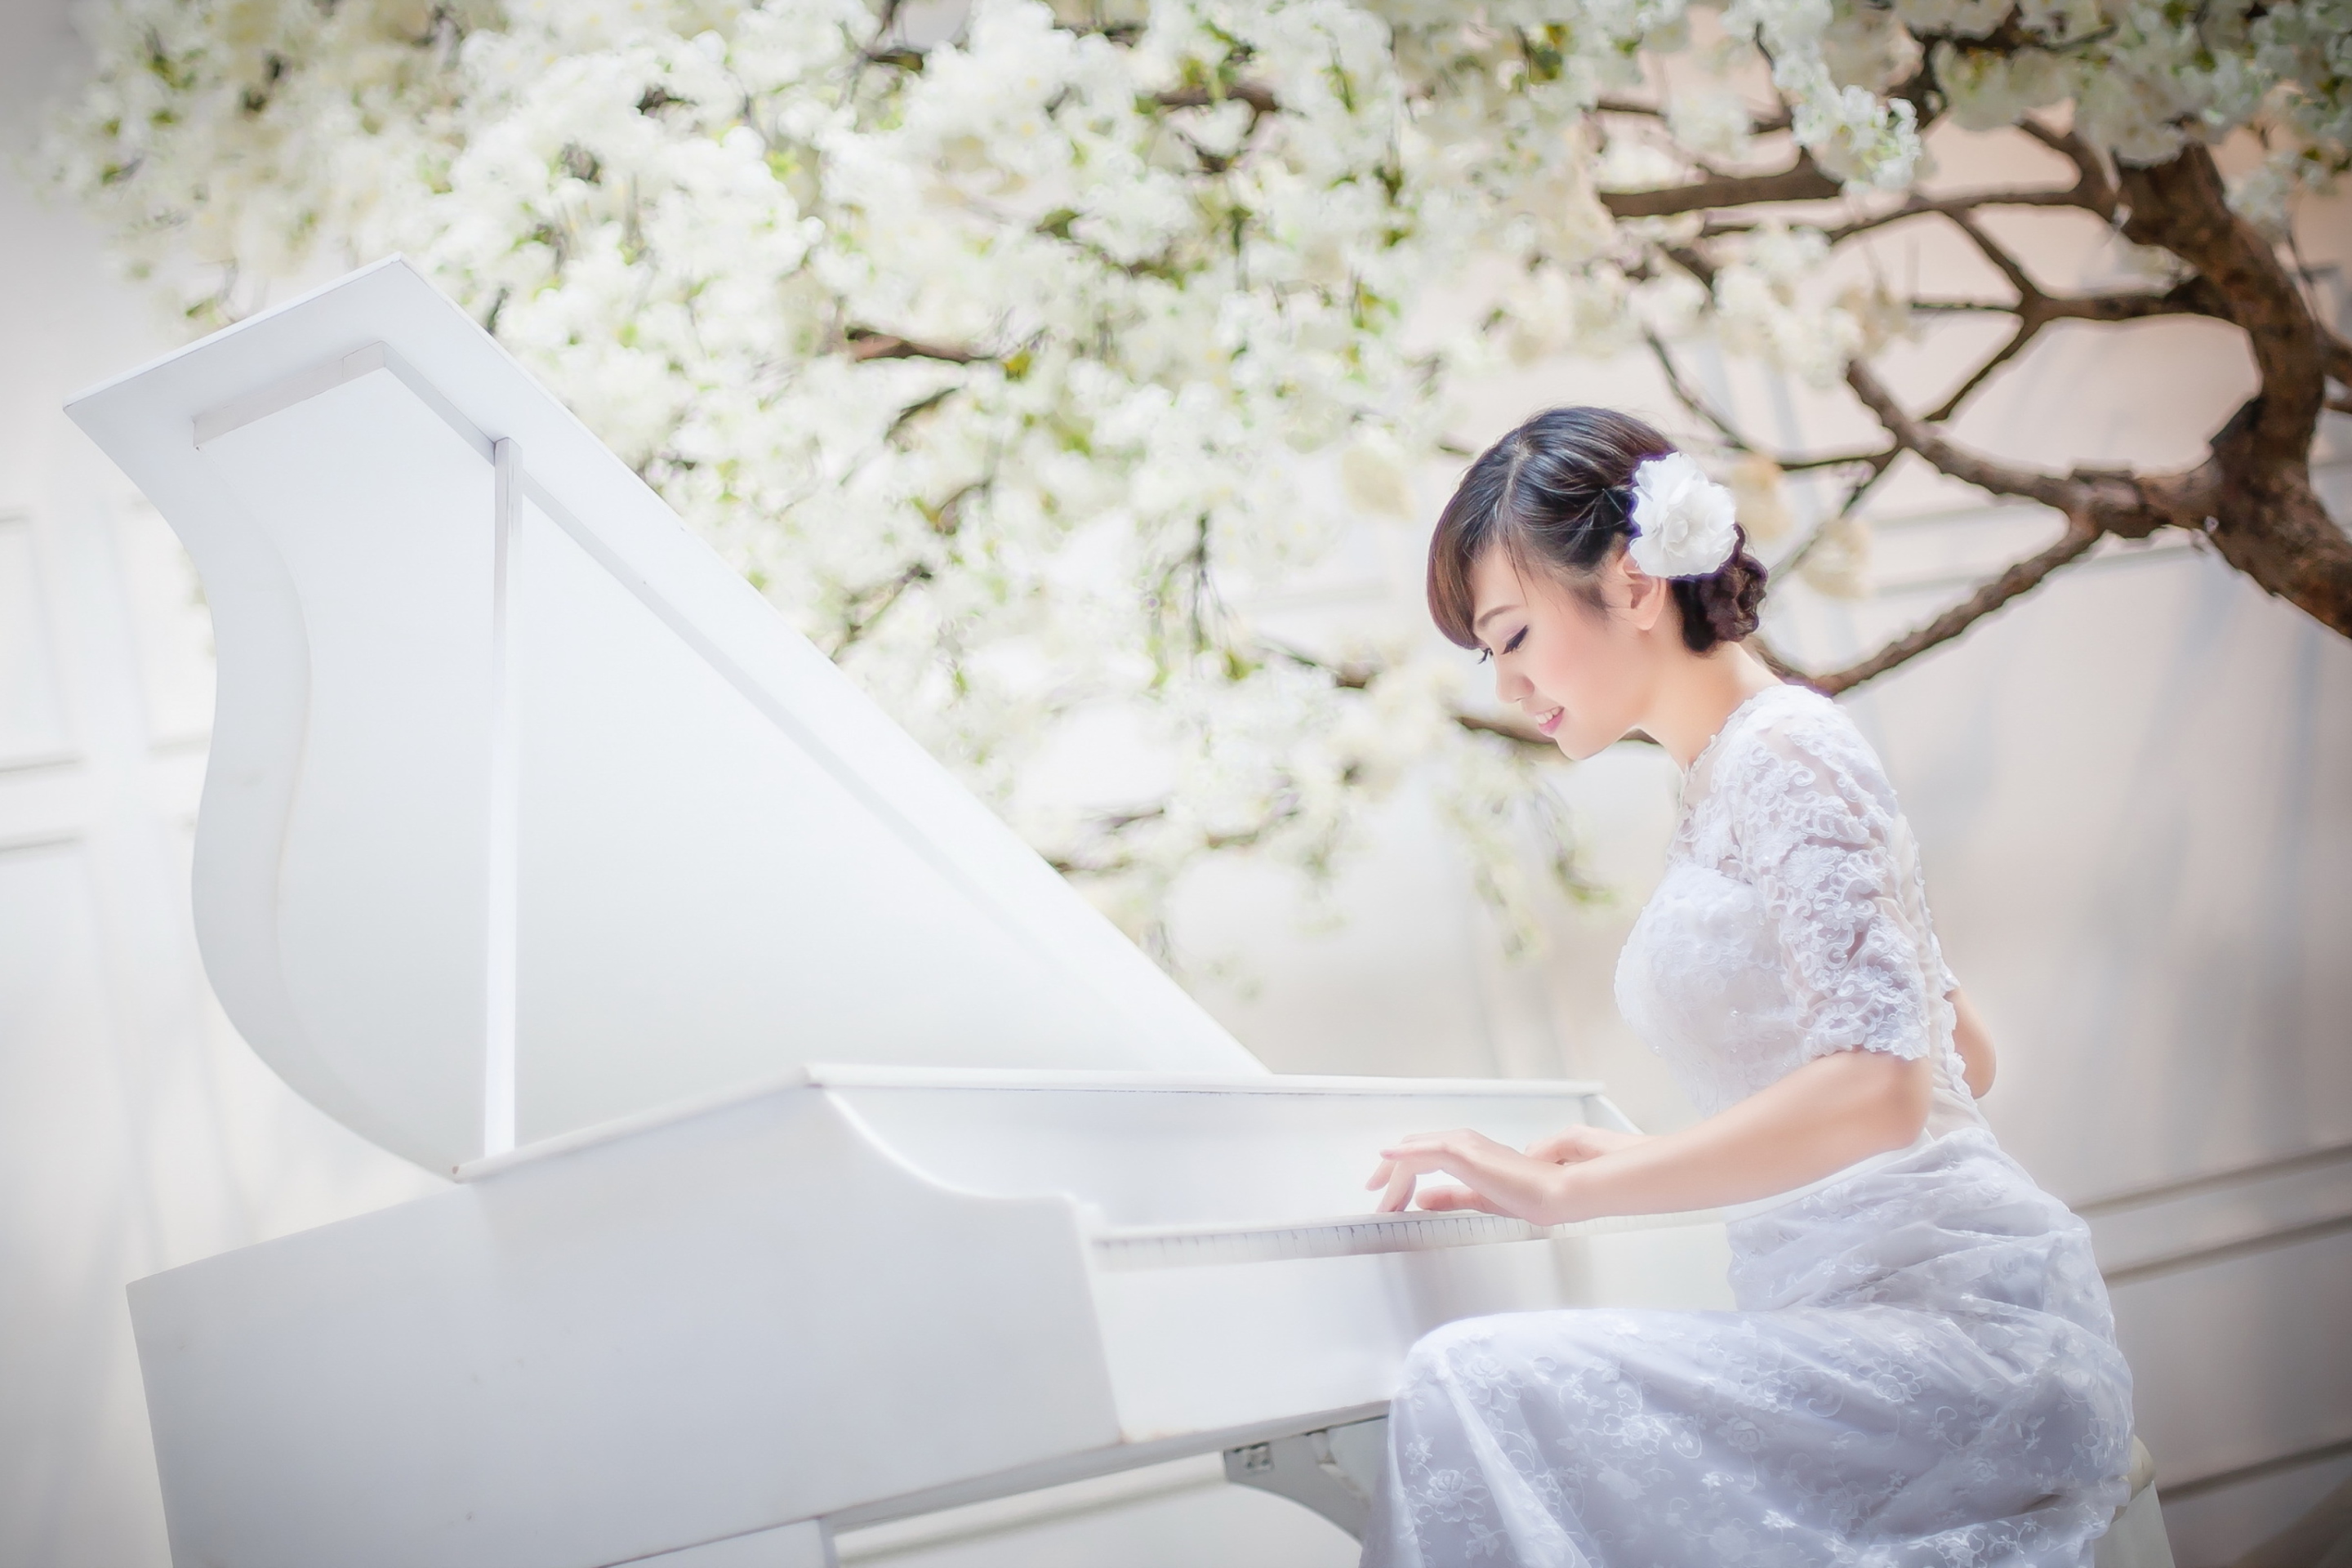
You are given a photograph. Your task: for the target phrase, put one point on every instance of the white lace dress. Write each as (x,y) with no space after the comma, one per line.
(1923,1368)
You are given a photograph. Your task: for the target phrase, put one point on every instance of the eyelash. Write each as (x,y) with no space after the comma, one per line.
(1485,656)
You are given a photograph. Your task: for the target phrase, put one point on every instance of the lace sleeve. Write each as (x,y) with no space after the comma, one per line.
(1818,833)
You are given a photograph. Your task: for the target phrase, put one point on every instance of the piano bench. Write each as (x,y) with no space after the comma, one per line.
(2136,1538)
(1336,1470)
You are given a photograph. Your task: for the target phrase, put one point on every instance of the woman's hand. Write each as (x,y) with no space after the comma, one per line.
(1578,1145)
(1810,1122)
(1495,1177)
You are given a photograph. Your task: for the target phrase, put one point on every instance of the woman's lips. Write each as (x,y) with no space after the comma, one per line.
(1550,721)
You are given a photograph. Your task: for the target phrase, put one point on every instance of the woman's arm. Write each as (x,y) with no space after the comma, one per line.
(1974,1044)
(1817,1120)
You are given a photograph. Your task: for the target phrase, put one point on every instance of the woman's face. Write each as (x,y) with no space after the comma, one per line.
(1581,674)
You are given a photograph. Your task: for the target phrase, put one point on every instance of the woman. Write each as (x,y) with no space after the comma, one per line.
(1922,1369)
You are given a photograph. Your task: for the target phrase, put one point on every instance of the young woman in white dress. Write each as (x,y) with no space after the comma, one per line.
(1922,1369)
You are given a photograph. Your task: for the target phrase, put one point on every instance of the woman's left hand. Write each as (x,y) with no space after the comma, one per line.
(1495,1177)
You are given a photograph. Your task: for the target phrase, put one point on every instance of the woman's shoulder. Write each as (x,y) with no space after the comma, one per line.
(1798,745)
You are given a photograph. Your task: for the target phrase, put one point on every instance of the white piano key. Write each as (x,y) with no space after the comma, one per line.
(1179,1247)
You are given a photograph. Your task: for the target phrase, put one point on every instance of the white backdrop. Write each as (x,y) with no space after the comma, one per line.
(2134,791)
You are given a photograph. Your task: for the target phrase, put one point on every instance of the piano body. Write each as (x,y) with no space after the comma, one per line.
(818,1157)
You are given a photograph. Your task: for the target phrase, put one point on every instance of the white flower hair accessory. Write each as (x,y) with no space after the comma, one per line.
(1682,519)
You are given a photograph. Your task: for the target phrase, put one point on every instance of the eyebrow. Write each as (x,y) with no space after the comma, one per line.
(1490,615)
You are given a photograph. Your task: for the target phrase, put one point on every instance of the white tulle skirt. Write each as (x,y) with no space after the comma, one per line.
(1922,1372)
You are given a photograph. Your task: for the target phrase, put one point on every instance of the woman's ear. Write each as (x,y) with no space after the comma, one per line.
(1646,597)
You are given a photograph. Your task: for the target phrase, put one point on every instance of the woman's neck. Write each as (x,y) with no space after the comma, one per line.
(1697,695)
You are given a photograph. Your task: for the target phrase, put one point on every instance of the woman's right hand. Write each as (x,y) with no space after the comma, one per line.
(1577,1144)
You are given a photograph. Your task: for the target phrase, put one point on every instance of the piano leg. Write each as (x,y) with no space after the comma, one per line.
(1333,1470)
(808,1544)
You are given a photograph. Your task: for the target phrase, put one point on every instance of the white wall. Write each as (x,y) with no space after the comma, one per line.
(136,1132)
(2134,790)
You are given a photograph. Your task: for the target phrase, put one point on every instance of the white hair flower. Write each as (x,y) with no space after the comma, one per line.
(1682,519)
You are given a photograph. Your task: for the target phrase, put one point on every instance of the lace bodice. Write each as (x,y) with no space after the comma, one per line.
(1792,920)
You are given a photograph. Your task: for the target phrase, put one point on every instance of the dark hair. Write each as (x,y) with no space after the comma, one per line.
(1557,493)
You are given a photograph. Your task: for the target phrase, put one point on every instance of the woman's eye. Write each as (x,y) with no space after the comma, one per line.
(1485,656)
(1517,638)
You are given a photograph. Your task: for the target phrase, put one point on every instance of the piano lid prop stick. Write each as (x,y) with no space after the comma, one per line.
(499,977)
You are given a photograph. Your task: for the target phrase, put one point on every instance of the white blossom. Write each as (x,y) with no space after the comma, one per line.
(1991,87)
(1762,497)
(1837,561)
(1017,369)
(1711,120)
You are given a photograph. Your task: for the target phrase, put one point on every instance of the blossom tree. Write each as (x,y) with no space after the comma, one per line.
(1015,350)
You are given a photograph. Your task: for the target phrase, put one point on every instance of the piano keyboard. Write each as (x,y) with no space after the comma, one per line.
(1195,1246)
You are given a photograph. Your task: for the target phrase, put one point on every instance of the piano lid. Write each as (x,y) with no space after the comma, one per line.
(524,812)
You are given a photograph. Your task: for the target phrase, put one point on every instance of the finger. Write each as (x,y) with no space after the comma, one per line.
(1400,1191)
(1380,1176)
(1421,1142)
(1439,1199)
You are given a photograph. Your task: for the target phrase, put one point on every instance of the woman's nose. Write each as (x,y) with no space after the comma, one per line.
(1509,684)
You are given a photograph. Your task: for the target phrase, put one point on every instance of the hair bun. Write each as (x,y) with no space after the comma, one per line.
(1724,605)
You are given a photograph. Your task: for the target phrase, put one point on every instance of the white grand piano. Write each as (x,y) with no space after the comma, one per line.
(817,1157)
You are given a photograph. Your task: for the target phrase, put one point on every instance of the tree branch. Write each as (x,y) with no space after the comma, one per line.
(865,609)
(2027,331)
(2038,309)
(2008,266)
(916,410)
(865,343)
(1877,464)
(1352,676)
(2035,309)
(1261,99)
(1110,824)
(2334,353)
(1767,126)
(2267,521)
(2251,498)
(2022,577)
(2094,189)
(1346,677)
(2182,206)
(1877,457)
(1947,206)
(2106,502)
(1690,399)
(1802,181)
(1754,643)
(1958,307)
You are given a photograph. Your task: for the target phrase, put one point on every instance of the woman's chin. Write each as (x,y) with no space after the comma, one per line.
(1577,746)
